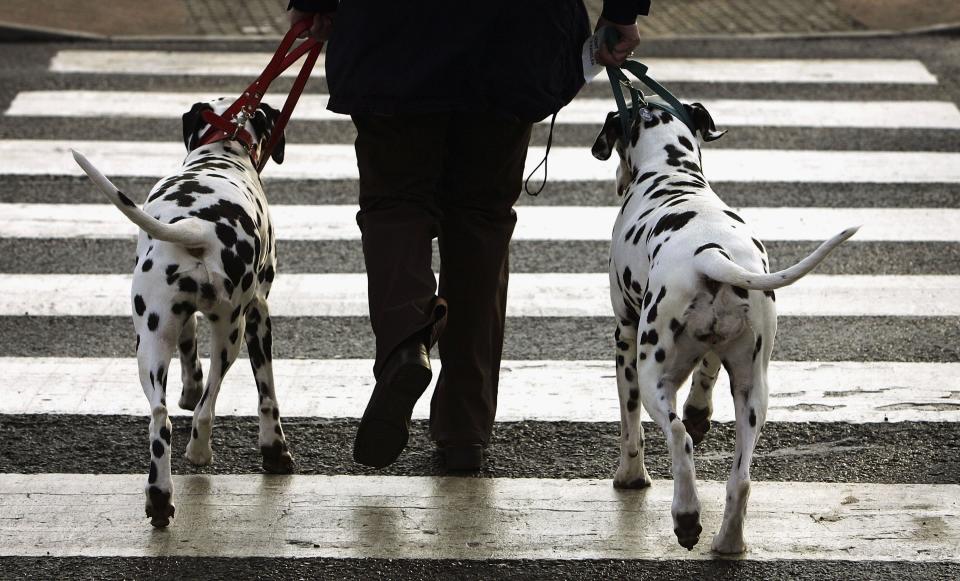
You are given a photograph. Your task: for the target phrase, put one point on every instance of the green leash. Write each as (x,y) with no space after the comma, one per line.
(620,81)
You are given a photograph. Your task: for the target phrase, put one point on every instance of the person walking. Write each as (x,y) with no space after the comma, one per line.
(443,96)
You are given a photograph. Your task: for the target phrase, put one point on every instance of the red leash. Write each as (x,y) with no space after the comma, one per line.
(230,125)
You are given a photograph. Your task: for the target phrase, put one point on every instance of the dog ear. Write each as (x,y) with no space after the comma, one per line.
(703,122)
(192,122)
(265,131)
(607,138)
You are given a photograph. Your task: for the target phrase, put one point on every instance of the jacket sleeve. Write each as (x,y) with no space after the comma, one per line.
(625,11)
(313,5)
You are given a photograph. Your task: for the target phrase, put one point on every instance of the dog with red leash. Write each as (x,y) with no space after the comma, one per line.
(207,245)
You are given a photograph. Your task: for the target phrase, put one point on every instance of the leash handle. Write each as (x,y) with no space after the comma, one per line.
(639,70)
(243,108)
(618,80)
(312,54)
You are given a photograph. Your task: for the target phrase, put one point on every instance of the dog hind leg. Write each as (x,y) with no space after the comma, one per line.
(748,377)
(661,370)
(156,340)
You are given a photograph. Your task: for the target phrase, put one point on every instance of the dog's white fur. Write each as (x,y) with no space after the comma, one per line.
(206,245)
(687,276)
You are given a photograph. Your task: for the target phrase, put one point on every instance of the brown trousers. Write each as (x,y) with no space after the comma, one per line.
(454,177)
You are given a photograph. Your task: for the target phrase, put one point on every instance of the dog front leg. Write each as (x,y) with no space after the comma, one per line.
(154,351)
(259,336)
(749,380)
(191,372)
(631,473)
(699,405)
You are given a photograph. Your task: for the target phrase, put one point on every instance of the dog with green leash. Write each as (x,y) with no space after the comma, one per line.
(692,292)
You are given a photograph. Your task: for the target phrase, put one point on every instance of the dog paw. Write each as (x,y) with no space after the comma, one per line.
(159,507)
(630,480)
(697,423)
(728,546)
(197,455)
(688,529)
(277,459)
(635,484)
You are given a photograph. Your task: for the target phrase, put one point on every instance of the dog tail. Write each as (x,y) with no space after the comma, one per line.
(190,233)
(721,269)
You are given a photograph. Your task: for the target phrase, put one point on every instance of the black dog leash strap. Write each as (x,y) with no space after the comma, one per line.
(543,162)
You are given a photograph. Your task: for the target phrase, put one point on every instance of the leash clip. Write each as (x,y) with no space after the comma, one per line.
(239,121)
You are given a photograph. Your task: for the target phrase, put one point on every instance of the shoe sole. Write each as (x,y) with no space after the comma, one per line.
(384,429)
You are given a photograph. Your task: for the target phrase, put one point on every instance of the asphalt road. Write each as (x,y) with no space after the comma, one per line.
(908,452)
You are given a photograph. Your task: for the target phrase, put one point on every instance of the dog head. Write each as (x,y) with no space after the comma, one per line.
(653,122)
(260,126)
(653,129)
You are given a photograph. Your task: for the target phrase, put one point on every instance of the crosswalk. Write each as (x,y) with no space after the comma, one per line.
(847,363)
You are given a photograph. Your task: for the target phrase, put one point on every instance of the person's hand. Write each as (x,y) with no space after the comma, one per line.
(322,23)
(623,49)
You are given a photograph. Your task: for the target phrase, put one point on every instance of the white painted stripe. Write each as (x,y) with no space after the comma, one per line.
(145,104)
(727,112)
(535,222)
(575,391)
(152,159)
(465,518)
(772,113)
(198,63)
(250,64)
(530,295)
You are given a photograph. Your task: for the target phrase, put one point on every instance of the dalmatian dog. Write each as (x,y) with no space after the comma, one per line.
(206,245)
(692,292)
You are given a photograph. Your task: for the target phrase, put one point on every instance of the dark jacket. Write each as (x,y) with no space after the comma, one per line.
(518,58)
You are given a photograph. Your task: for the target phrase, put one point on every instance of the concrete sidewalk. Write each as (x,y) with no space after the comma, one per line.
(213,19)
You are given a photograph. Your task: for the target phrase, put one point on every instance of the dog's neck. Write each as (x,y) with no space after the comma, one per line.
(663,150)
(225,149)
(656,154)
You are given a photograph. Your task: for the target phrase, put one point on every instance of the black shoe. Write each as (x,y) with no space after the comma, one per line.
(385,427)
(462,457)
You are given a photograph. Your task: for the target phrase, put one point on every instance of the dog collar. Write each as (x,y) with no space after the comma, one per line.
(232,130)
